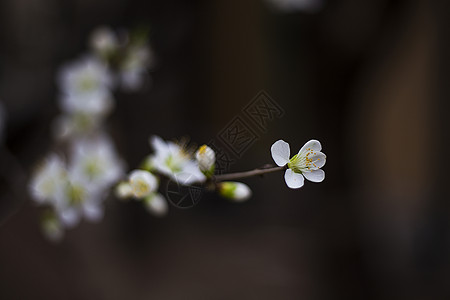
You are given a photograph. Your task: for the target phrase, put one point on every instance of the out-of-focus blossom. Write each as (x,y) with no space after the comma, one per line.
(48,182)
(307,162)
(156,205)
(206,158)
(142,183)
(86,86)
(80,200)
(103,41)
(96,160)
(310,6)
(235,191)
(174,161)
(134,66)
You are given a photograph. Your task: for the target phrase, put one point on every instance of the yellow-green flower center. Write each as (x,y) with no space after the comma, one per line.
(77,194)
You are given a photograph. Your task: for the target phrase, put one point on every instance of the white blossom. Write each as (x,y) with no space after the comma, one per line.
(80,200)
(86,87)
(48,182)
(142,183)
(174,161)
(306,163)
(96,160)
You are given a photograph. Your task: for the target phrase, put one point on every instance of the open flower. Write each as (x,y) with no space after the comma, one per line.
(79,200)
(96,160)
(48,182)
(306,163)
(174,161)
(86,87)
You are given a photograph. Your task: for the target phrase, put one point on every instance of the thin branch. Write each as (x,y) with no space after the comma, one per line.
(240,175)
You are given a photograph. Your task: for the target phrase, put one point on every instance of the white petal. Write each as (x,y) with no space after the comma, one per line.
(313,145)
(293,180)
(318,160)
(69,217)
(158,144)
(315,176)
(280,152)
(93,212)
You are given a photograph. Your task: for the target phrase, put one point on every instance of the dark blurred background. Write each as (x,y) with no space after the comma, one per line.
(369,79)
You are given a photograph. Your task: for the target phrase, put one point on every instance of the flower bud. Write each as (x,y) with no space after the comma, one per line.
(123,190)
(206,159)
(156,205)
(52,228)
(142,183)
(235,191)
(103,41)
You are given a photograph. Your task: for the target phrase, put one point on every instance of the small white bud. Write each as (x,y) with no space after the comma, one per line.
(123,190)
(235,191)
(156,205)
(52,228)
(103,41)
(206,158)
(142,183)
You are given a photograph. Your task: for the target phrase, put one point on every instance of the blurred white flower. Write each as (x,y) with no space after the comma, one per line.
(86,86)
(172,160)
(95,160)
(134,66)
(156,204)
(307,162)
(80,200)
(103,41)
(142,183)
(48,182)
(310,6)
(206,158)
(235,191)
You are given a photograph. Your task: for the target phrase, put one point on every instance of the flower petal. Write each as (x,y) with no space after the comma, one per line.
(293,180)
(315,176)
(280,152)
(318,160)
(69,217)
(158,144)
(93,212)
(313,145)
